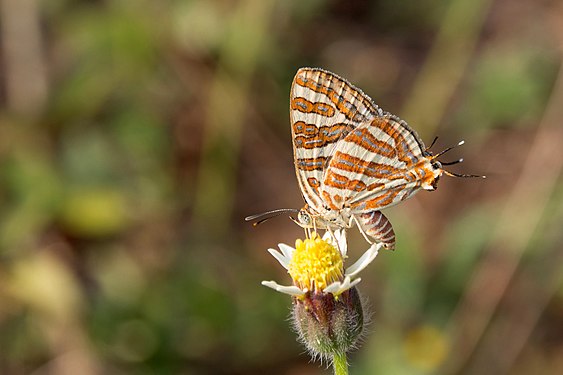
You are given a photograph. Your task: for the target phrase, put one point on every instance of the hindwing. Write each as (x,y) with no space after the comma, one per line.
(373,167)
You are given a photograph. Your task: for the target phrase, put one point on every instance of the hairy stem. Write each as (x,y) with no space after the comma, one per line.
(340,364)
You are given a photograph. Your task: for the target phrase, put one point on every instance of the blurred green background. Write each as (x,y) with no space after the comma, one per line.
(135,135)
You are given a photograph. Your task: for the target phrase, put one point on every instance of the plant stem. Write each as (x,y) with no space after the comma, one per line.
(340,364)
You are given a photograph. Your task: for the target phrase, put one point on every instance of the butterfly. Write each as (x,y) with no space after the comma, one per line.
(352,159)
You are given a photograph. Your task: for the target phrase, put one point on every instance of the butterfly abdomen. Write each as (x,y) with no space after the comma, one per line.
(377,226)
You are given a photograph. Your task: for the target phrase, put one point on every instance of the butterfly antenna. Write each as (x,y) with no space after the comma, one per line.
(433,142)
(451,174)
(452,162)
(446,150)
(262,217)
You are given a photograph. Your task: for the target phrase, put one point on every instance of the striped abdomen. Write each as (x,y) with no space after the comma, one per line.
(377,226)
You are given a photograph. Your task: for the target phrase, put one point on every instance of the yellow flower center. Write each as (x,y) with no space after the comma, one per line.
(315,264)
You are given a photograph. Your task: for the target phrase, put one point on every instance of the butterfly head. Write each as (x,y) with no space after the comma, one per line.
(432,171)
(304,218)
(434,168)
(308,218)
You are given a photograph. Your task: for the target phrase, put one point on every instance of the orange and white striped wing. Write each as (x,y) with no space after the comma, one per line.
(375,166)
(324,109)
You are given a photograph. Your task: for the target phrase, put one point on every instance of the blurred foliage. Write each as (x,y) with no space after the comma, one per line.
(146,131)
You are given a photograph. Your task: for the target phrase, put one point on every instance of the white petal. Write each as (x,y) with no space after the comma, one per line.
(338,239)
(291,290)
(286,250)
(341,241)
(333,287)
(364,260)
(338,287)
(355,282)
(284,260)
(345,284)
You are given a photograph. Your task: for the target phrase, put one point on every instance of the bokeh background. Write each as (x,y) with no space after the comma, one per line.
(136,135)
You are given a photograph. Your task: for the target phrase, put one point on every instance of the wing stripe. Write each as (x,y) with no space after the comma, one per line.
(342,182)
(359,166)
(311,164)
(382,200)
(303,105)
(310,136)
(345,106)
(408,151)
(364,138)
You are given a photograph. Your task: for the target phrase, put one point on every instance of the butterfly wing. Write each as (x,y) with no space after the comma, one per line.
(324,109)
(375,166)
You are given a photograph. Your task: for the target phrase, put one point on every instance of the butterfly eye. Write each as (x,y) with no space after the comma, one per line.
(436,165)
(304,218)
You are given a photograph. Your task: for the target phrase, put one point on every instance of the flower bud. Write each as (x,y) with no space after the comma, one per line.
(328,325)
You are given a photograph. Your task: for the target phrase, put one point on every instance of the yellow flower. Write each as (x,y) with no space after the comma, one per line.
(316,265)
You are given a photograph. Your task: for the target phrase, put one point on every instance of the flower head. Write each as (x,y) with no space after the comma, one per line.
(316,265)
(327,308)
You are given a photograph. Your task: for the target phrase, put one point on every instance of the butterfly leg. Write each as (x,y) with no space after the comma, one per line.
(310,230)
(375,225)
(333,235)
(369,240)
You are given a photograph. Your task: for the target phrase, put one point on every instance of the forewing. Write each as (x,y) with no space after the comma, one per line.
(373,167)
(324,109)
